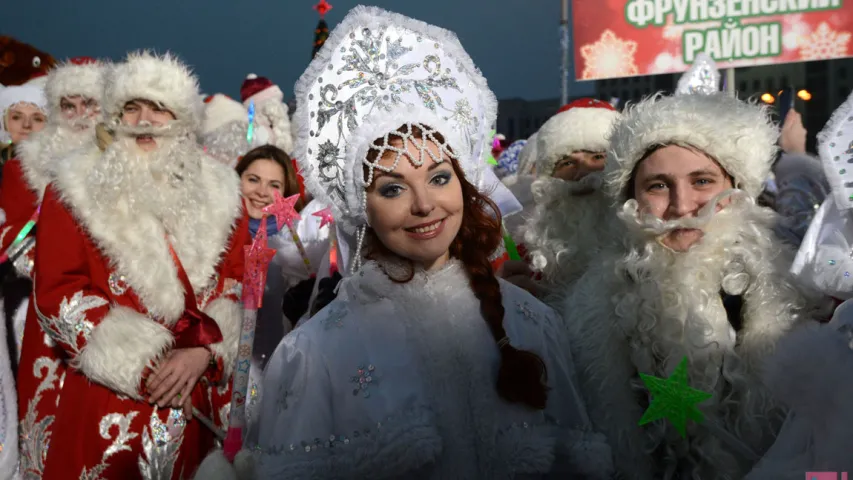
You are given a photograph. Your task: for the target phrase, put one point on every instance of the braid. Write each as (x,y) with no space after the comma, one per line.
(522,377)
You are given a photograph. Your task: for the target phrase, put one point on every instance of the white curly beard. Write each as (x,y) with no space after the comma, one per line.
(163,182)
(566,231)
(275,116)
(672,308)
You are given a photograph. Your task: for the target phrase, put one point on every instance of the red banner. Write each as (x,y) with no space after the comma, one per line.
(624,38)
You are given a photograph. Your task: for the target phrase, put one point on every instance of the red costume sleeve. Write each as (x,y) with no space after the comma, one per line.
(226,306)
(110,344)
(16,200)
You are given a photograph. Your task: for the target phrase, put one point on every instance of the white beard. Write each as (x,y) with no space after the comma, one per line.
(671,308)
(567,231)
(276,119)
(39,155)
(163,182)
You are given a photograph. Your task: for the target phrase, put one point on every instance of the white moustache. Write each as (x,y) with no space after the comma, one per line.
(656,227)
(147,129)
(588,184)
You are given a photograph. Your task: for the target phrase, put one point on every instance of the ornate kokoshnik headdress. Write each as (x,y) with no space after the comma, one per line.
(377,72)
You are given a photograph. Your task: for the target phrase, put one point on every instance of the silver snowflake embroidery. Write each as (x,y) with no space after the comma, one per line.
(335,317)
(524,309)
(71,322)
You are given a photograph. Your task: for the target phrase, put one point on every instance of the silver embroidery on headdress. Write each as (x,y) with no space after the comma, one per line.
(378,72)
(702,78)
(835,147)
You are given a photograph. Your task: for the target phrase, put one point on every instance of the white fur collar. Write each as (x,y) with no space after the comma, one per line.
(134,240)
(39,155)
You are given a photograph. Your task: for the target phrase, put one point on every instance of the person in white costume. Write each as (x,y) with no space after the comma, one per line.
(811,371)
(425,365)
(572,218)
(703,277)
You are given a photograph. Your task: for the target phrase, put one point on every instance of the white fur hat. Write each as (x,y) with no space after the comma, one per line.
(82,76)
(219,110)
(739,135)
(581,125)
(161,79)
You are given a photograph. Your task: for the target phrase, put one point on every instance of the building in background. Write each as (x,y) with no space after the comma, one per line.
(519,119)
(633,89)
(827,84)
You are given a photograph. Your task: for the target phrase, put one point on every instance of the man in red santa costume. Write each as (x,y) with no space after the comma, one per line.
(73,92)
(569,224)
(701,276)
(136,282)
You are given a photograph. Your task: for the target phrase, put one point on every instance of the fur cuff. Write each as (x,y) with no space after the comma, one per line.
(228,316)
(120,348)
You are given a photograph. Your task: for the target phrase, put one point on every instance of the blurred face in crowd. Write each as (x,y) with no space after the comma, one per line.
(674,183)
(414,211)
(141,112)
(578,164)
(257,184)
(22,119)
(76,107)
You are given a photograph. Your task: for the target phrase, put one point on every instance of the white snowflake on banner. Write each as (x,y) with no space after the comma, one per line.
(796,31)
(609,57)
(825,43)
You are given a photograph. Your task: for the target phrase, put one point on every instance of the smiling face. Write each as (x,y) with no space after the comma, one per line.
(77,107)
(144,112)
(22,119)
(416,212)
(257,184)
(674,183)
(577,165)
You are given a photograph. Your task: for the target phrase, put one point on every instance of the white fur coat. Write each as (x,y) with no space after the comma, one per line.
(397,381)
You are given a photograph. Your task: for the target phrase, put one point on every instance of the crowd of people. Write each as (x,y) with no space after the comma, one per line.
(676,305)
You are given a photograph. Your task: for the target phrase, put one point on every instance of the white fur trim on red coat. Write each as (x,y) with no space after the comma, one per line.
(119,349)
(229,317)
(570,131)
(740,136)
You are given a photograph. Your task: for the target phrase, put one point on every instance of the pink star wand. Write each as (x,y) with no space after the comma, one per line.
(327,219)
(256,262)
(284,211)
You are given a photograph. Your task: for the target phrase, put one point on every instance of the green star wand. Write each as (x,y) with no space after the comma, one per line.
(675,400)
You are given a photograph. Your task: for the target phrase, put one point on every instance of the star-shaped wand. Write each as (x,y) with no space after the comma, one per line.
(284,211)
(674,399)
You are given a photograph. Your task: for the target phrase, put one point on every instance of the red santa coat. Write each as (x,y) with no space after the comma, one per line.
(19,201)
(108,297)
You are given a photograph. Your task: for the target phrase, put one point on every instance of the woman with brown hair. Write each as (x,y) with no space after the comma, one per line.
(426,365)
(263,171)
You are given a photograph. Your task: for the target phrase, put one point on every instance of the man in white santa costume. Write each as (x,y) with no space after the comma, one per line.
(136,283)
(701,276)
(73,92)
(572,215)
